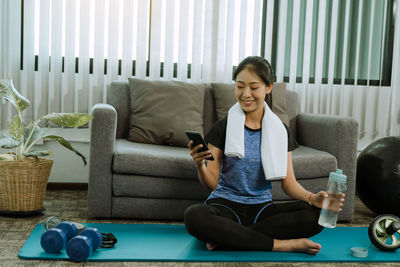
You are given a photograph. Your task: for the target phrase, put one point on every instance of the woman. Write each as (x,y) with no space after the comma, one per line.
(239,214)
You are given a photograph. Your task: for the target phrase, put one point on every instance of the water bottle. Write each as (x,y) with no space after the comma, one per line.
(331,204)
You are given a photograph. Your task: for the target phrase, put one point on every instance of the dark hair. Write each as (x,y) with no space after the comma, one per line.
(259,66)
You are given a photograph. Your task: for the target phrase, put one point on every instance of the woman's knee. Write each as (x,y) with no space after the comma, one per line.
(315,212)
(193,216)
(314,217)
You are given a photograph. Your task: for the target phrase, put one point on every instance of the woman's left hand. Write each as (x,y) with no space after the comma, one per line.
(318,199)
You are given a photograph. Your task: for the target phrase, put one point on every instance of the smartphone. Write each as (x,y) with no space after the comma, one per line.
(197,139)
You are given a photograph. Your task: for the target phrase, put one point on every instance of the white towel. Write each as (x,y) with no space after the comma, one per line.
(274,141)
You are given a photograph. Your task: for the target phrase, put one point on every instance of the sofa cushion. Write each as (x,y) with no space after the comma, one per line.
(175,162)
(225,98)
(313,185)
(312,163)
(279,102)
(157,187)
(209,111)
(292,108)
(153,160)
(161,111)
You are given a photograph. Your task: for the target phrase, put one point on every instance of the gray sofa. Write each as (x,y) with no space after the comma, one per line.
(158,182)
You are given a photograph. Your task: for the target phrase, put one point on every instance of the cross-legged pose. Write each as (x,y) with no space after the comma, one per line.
(251,147)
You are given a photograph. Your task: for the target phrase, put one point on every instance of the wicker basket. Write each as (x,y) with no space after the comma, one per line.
(23,184)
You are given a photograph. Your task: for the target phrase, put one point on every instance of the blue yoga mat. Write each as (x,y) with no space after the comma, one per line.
(162,242)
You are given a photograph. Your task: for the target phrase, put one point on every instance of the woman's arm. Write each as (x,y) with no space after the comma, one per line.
(291,187)
(208,175)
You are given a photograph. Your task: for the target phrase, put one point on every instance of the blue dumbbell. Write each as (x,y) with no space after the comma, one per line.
(81,246)
(54,239)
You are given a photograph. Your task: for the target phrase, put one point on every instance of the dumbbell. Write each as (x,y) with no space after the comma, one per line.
(81,246)
(384,232)
(54,239)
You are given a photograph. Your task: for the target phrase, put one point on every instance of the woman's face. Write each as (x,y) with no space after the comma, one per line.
(250,91)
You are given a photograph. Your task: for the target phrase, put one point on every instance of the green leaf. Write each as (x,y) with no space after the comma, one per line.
(15,128)
(8,142)
(68,119)
(35,135)
(38,154)
(10,94)
(6,157)
(65,144)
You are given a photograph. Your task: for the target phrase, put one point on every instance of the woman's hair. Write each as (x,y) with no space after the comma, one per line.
(257,65)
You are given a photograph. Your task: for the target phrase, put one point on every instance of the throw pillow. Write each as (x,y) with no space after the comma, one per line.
(161,111)
(278,102)
(225,98)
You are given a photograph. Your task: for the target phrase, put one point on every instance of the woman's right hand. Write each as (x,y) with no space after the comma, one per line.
(197,156)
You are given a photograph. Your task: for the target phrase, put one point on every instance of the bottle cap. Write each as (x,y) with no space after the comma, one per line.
(359,252)
(338,176)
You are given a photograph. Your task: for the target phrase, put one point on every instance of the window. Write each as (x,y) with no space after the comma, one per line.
(172,27)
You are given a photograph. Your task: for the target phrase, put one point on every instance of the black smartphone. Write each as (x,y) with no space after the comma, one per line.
(197,139)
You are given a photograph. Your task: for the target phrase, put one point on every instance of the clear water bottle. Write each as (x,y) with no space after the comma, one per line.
(331,204)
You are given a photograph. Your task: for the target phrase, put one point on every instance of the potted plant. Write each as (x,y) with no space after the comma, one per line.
(23,170)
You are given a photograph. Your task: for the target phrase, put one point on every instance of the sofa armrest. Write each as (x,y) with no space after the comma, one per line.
(102,142)
(338,136)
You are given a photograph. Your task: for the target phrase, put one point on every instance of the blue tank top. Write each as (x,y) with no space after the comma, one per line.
(243,180)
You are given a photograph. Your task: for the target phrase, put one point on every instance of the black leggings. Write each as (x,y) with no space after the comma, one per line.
(236,226)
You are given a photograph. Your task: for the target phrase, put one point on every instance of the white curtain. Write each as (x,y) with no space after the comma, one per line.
(72,49)
(395,92)
(10,56)
(375,107)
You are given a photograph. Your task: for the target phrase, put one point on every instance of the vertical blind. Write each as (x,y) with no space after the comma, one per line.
(337,55)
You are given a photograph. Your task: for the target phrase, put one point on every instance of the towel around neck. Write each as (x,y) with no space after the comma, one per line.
(274,141)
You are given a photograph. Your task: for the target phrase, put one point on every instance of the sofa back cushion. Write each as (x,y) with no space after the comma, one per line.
(161,111)
(293,109)
(225,99)
(209,113)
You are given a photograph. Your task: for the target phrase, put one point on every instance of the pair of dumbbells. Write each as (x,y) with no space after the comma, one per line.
(78,247)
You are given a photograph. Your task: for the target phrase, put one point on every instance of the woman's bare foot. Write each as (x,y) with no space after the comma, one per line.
(210,246)
(299,245)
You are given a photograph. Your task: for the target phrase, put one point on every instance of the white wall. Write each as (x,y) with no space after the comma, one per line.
(67,166)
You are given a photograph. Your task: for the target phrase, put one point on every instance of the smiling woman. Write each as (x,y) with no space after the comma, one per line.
(252,147)
(254,80)
(250,92)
